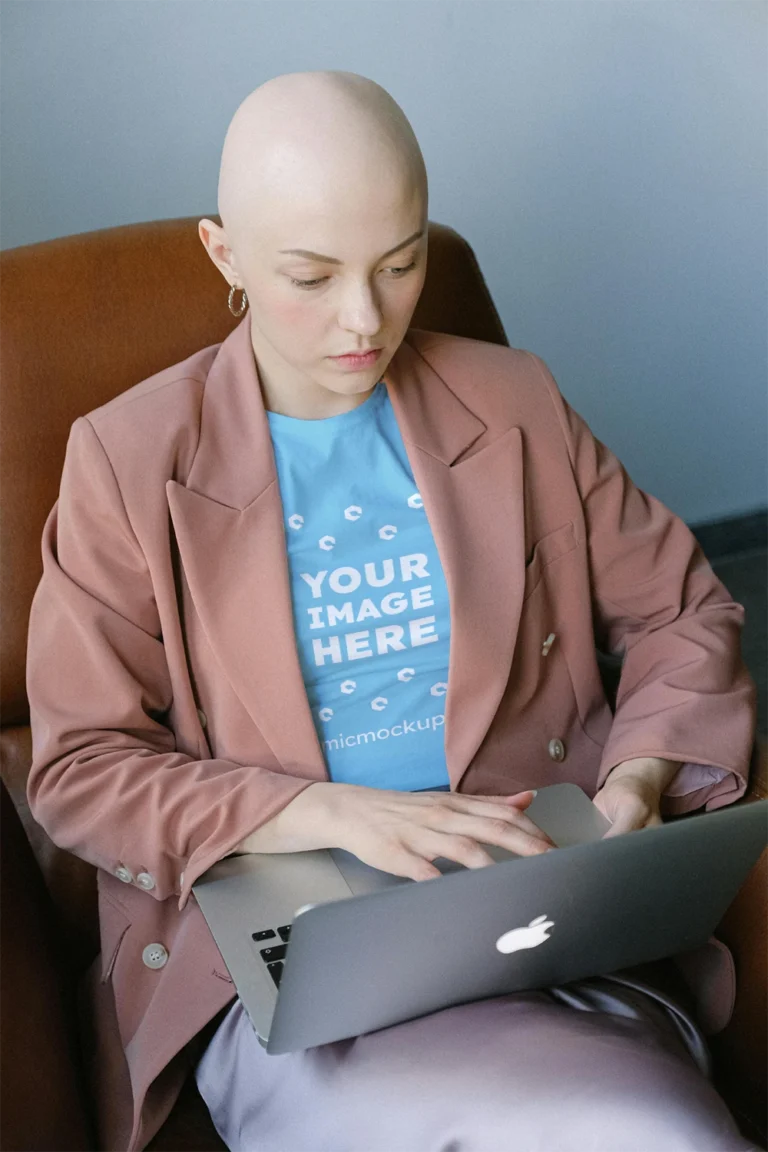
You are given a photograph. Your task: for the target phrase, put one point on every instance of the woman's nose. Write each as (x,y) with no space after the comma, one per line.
(361,312)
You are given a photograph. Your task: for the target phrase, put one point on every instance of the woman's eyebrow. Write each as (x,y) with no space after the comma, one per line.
(332,259)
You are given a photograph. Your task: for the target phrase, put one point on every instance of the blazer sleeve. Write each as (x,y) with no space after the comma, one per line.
(685,693)
(106,781)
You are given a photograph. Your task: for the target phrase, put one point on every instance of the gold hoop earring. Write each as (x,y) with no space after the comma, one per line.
(244,303)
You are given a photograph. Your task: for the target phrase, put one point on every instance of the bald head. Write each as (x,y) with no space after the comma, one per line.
(323,203)
(317,143)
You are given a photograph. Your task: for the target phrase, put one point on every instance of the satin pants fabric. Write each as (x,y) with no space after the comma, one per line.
(602,1065)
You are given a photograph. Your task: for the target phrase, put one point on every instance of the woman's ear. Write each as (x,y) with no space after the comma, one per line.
(214,240)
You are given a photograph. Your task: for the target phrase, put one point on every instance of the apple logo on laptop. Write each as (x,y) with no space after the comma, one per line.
(531,936)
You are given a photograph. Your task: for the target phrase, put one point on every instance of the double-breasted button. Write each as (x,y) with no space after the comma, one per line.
(155,956)
(556,750)
(146,881)
(124,874)
(202,718)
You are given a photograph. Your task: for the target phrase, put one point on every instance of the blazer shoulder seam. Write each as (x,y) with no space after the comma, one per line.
(104,411)
(116,482)
(552,390)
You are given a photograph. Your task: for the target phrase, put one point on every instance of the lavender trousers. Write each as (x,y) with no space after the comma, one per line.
(603,1065)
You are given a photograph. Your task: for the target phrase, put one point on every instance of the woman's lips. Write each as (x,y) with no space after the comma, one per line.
(357,362)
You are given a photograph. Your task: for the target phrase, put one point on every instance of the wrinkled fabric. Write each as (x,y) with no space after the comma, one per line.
(602,1065)
(168,709)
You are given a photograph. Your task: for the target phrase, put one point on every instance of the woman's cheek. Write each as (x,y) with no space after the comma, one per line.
(293,326)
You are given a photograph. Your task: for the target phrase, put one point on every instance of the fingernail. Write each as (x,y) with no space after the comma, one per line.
(534,790)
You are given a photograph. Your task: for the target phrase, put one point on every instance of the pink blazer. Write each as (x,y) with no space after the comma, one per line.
(168,710)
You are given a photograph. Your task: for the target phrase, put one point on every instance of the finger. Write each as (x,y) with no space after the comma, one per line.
(529,825)
(517,799)
(628,818)
(499,831)
(525,824)
(517,819)
(520,799)
(463,849)
(491,808)
(412,865)
(511,818)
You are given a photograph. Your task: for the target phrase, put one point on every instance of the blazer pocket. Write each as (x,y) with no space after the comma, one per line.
(113,925)
(546,550)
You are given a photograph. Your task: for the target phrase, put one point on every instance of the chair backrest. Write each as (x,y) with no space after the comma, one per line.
(82,319)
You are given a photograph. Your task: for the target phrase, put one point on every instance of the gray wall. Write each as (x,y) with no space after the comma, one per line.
(607,161)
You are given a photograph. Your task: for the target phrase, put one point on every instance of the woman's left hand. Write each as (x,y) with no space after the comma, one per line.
(631,795)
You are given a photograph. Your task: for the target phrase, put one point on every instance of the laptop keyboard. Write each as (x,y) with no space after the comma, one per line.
(274,954)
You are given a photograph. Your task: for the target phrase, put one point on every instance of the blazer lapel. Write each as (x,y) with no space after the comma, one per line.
(228,519)
(472,488)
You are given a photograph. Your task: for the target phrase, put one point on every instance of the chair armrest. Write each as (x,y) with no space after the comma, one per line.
(757,788)
(740,1051)
(40,1092)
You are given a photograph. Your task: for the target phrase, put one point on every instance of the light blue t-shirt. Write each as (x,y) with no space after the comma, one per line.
(370,602)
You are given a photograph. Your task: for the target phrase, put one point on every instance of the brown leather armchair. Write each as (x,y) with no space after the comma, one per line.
(83,319)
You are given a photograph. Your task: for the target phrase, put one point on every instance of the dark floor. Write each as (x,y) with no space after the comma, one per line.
(746,578)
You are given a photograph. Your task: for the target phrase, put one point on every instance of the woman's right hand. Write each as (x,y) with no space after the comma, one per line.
(401,832)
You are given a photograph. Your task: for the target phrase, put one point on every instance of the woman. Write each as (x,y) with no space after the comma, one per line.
(292,602)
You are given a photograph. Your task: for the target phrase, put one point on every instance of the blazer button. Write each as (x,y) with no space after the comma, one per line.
(124,874)
(145,881)
(202,718)
(548,643)
(155,956)
(557,750)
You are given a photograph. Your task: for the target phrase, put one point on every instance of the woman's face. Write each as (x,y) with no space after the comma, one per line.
(355,293)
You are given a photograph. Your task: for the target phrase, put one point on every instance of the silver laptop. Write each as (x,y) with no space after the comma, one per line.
(322,947)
